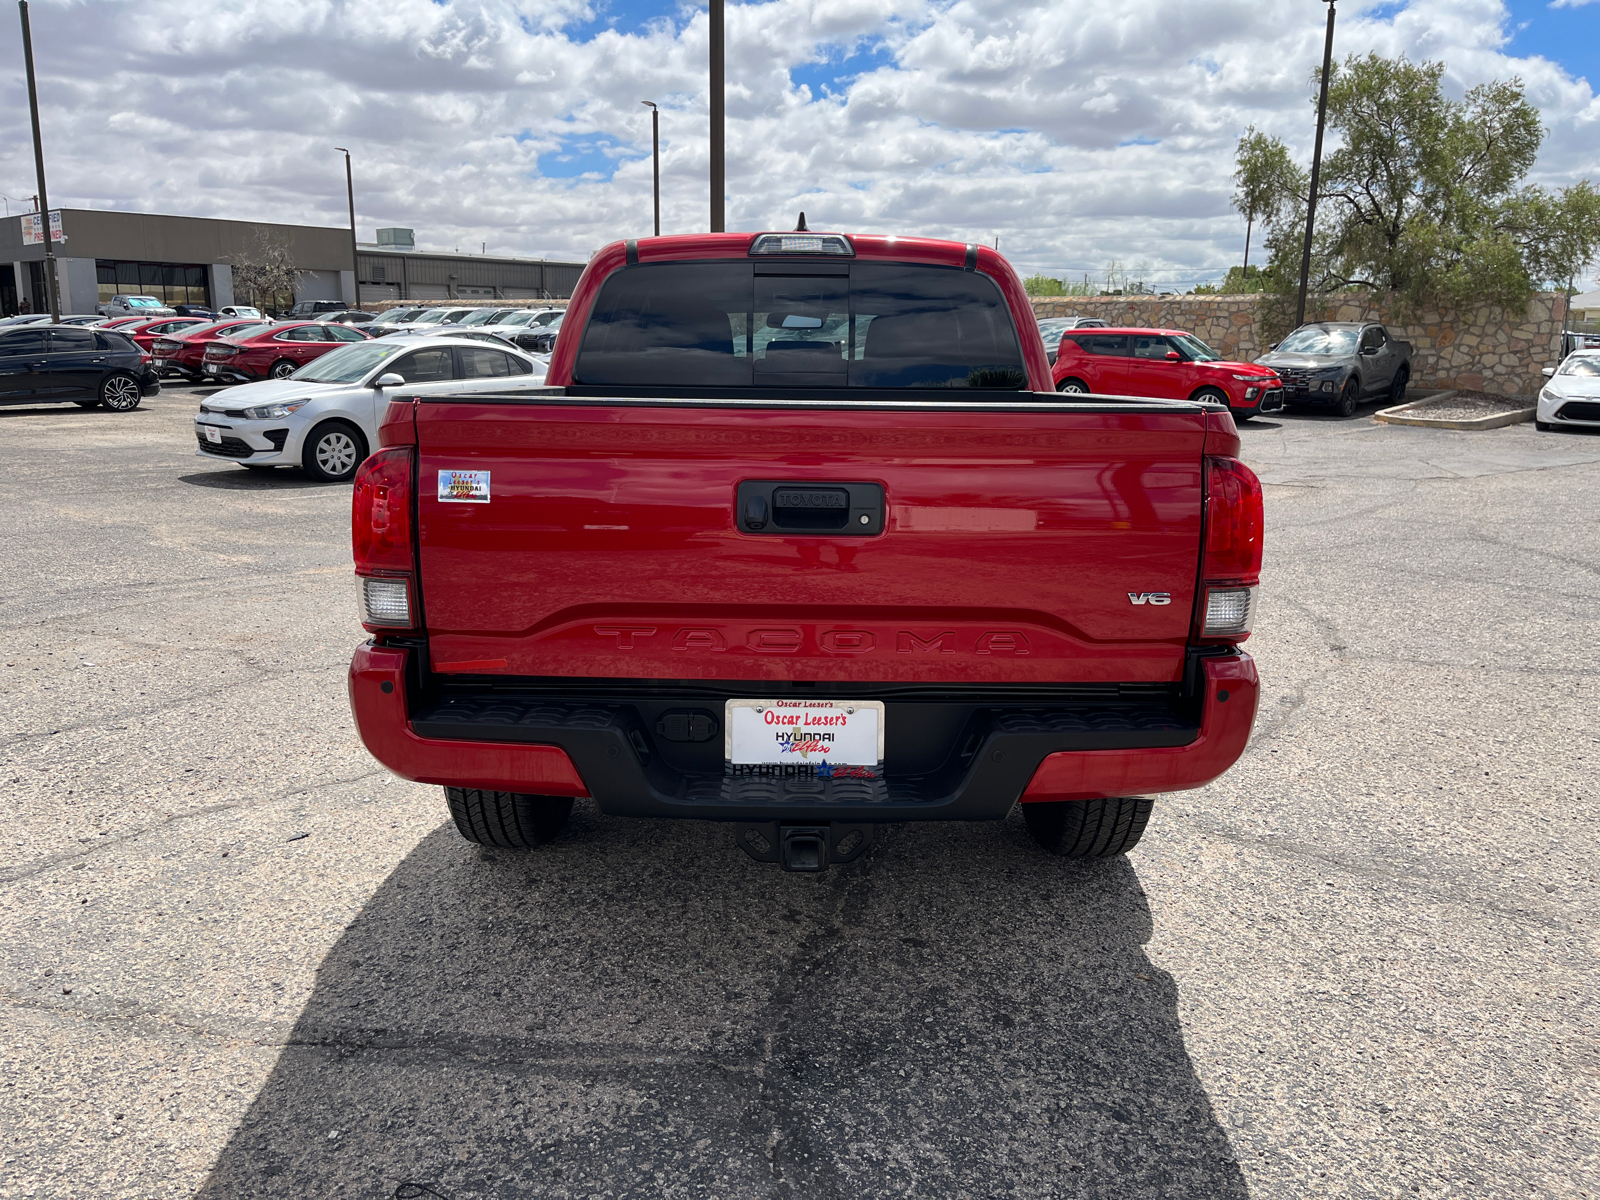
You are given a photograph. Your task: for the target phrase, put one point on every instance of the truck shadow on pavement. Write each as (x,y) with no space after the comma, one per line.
(638,1010)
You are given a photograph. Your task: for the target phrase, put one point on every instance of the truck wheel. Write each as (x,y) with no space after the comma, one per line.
(510,820)
(1088,828)
(1345,405)
(1397,390)
(1075,386)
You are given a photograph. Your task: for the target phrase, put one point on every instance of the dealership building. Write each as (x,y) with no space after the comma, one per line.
(192,260)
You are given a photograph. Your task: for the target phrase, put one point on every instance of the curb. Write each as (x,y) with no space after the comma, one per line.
(1407,414)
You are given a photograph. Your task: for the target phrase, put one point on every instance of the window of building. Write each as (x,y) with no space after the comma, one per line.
(171,283)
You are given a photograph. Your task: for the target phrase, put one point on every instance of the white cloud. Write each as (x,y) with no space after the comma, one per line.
(1074,130)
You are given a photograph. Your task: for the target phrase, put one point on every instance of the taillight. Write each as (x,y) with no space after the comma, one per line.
(1231,566)
(380,535)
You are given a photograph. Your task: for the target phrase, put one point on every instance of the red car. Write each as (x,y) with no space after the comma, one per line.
(790,539)
(144,333)
(273,351)
(181,351)
(1165,363)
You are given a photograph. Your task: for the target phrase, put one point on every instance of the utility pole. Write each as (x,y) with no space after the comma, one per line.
(50,286)
(1316,171)
(655,155)
(719,114)
(350,193)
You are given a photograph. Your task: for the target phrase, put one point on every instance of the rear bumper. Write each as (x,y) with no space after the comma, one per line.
(230,372)
(604,750)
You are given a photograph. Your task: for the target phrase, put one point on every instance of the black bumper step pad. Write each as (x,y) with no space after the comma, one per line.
(614,748)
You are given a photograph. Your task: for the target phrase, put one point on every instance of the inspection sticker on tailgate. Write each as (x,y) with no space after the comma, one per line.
(464,487)
(820,734)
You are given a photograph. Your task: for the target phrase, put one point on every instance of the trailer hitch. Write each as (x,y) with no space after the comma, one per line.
(803,847)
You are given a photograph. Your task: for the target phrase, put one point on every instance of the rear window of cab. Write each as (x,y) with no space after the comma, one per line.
(786,324)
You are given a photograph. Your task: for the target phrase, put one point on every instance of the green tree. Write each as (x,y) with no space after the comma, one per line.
(1424,198)
(1266,183)
(1045,285)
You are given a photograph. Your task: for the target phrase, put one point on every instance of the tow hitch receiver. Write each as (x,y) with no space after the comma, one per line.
(803,847)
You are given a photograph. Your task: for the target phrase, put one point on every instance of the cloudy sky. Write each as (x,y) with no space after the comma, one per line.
(1075,131)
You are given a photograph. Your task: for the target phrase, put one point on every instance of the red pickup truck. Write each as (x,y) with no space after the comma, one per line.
(799,537)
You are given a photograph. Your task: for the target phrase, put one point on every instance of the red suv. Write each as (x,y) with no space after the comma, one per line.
(181,350)
(1165,363)
(273,351)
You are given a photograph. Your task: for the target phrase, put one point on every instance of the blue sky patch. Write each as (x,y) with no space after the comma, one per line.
(626,16)
(1569,36)
(836,72)
(581,154)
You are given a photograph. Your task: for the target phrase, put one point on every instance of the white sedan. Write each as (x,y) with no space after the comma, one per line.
(1571,395)
(324,418)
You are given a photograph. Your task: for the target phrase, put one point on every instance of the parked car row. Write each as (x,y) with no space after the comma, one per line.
(323,417)
(1337,364)
(149,306)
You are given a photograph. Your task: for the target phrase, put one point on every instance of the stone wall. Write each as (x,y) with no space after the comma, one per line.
(1483,350)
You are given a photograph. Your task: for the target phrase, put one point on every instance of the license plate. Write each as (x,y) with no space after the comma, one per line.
(158,363)
(211,368)
(213,434)
(804,732)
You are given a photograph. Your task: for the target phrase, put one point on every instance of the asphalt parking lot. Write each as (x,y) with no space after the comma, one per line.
(238,959)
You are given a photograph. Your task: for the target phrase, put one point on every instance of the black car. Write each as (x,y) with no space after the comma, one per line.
(540,341)
(310,310)
(194,310)
(50,364)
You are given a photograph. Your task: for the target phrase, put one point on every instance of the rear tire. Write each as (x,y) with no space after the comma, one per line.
(1345,405)
(1088,828)
(509,820)
(120,392)
(1397,390)
(283,368)
(1075,387)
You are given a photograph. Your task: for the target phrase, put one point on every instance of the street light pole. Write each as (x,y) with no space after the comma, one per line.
(350,193)
(53,291)
(719,150)
(655,155)
(1316,171)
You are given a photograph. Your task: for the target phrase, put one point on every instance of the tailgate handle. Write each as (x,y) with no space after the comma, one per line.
(777,508)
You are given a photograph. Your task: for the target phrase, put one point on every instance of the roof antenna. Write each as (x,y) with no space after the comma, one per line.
(801,228)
